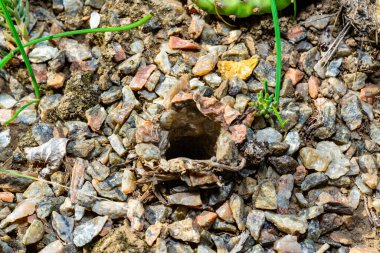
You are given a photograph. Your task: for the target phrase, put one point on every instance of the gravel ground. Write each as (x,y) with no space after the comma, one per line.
(152,135)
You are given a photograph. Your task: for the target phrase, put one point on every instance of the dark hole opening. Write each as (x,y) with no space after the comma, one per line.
(192,135)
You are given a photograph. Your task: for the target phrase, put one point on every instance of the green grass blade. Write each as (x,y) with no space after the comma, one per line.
(19,111)
(21,48)
(276,24)
(70,33)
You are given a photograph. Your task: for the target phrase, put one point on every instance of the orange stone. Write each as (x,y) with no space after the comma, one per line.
(206,219)
(56,80)
(313,86)
(225,213)
(7,197)
(295,75)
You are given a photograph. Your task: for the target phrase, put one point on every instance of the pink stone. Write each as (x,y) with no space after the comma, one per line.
(295,75)
(239,133)
(141,77)
(178,43)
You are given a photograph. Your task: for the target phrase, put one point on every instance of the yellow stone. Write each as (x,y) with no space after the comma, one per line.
(242,69)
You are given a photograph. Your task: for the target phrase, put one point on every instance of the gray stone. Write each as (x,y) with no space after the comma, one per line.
(294,141)
(157,213)
(63,226)
(112,209)
(351,111)
(314,180)
(265,71)
(95,3)
(38,190)
(268,135)
(148,151)
(84,233)
(374,132)
(311,58)
(285,186)
(355,81)
(339,165)
(333,67)
(318,21)
(98,171)
(5,138)
(112,95)
(255,222)
(42,132)
(7,101)
(130,65)
(42,54)
(117,144)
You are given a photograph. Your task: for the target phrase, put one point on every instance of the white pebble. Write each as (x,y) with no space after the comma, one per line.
(94,20)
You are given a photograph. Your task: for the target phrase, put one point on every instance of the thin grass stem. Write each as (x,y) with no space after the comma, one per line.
(21,49)
(19,111)
(71,33)
(276,25)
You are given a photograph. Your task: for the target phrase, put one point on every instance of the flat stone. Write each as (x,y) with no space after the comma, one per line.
(237,208)
(5,138)
(130,65)
(318,21)
(112,209)
(54,247)
(84,233)
(42,54)
(34,233)
(284,164)
(117,144)
(339,165)
(351,111)
(148,151)
(7,101)
(288,223)
(185,230)
(313,180)
(185,198)
(204,65)
(287,244)
(157,213)
(268,135)
(314,160)
(267,197)
(135,214)
(63,226)
(255,222)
